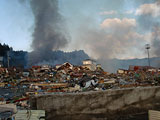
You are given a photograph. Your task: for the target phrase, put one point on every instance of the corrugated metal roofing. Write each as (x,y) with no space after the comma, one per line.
(154,115)
(30,115)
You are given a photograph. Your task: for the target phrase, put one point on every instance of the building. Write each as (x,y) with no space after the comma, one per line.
(141,68)
(122,71)
(45,67)
(65,65)
(90,64)
(89,61)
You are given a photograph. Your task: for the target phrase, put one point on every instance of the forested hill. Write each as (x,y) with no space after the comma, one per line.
(4,48)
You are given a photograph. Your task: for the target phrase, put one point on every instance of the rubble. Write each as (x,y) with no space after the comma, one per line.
(17,84)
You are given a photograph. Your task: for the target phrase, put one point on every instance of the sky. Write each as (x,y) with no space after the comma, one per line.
(102,28)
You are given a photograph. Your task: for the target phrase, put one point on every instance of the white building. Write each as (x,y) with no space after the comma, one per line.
(45,67)
(122,71)
(90,64)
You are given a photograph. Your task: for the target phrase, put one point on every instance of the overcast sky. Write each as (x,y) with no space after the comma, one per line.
(103,28)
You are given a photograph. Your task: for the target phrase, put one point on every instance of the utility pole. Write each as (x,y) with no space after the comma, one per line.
(147,46)
(8,58)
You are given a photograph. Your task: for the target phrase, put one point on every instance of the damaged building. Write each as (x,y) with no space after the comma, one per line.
(90,64)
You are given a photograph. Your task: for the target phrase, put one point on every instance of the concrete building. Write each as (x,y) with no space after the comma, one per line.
(142,68)
(45,67)
(90,64)
(122,71)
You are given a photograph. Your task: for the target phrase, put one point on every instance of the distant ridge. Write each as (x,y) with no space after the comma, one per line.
(112,65)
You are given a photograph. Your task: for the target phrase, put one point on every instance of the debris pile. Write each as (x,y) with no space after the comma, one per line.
(17,84)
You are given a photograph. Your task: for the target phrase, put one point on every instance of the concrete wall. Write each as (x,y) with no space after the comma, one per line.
(99,105)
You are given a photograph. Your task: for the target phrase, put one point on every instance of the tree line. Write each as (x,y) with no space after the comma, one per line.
(4,48)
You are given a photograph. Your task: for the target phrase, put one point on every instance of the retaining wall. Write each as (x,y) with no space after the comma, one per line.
(108,105)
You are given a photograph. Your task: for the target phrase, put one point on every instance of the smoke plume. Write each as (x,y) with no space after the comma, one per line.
(149,15)
(49,30)
(115,38)
(156,40)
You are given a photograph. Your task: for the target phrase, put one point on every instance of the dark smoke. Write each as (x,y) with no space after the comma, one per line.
(49,30)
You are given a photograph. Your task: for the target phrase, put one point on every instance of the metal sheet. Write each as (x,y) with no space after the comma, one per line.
(30,115)
(154,115)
